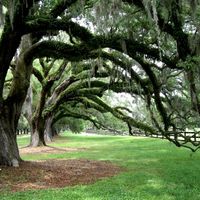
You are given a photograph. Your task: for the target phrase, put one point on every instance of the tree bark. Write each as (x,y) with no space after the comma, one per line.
(9,153)
(193,91)
(10,111)
(49,131)
(37,135)
(38,123)
(27,106)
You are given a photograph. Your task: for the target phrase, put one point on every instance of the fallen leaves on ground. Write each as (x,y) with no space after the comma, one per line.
(55,173)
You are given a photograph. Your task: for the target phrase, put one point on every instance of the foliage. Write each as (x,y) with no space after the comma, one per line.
(23,124)
(115,125)
(69,123)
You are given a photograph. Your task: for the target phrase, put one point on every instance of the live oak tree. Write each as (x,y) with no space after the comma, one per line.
(177,22)
(10,106)
(78,81)
(46,79)
(18,22)
(172,29)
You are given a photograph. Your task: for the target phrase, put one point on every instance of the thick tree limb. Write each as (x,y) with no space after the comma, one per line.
(38,75)
(95,42)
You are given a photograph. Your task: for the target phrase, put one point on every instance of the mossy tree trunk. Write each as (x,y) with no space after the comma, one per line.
(9,153)
(38,122)
(10,112)
(10,108)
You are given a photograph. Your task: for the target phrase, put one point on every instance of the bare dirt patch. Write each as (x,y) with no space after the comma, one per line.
(47,150)
(54,174)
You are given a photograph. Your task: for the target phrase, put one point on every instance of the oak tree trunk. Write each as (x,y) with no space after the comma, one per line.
(27,106)
(37,135)
(49,132)
(9,153)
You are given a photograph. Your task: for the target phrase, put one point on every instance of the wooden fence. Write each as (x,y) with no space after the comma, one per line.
(24,131)
(184,136)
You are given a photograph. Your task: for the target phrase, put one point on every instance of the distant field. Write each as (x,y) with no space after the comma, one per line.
(155,169)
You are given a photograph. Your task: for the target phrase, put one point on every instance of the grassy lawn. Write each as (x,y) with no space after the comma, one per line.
(157,170)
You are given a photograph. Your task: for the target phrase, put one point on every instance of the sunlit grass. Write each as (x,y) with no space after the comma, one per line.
(156,170)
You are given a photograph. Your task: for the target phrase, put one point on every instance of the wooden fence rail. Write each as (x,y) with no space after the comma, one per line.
(184,136)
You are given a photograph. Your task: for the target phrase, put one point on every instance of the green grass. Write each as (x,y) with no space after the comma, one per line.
(157,170)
